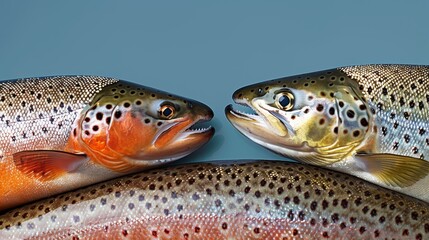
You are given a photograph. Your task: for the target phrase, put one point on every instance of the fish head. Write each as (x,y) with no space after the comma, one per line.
(317,118)
(137,125)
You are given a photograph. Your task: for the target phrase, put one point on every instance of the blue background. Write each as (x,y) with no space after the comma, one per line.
(207,49)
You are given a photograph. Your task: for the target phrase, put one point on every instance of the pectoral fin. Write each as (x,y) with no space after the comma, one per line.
(395,170)
(46,165)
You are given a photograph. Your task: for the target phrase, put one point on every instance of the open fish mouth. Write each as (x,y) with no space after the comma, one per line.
(249,113)
(253,117)
(178,139)
(257,126)
(200,127)
(250,123)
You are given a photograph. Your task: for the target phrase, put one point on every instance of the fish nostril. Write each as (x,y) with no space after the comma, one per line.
(190,105)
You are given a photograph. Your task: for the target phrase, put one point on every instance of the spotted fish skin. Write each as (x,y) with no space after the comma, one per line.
(60,133)
(371,121)
(245,200)
(39,112)
(399,96)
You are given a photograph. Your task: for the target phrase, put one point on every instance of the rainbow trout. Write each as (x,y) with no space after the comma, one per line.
(259,200)
(370,121)
(61,133)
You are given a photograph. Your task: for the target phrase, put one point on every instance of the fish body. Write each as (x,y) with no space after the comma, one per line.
(242,200)
(60,133)
(371,121)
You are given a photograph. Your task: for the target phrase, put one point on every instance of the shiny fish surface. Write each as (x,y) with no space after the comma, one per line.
(371,121)
(253,200)
(60,133)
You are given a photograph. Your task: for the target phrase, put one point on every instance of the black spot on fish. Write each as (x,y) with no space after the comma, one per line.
(395,146)
(369,90)
(99,116)
(364,122)
(407,138)
(118,114)
(401,101)
(406,115)
(350,113)
(395,125)
(384,131)
(131,206)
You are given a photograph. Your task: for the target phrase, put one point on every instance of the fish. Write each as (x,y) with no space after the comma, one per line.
(224,200)
(371,121)
(63,132)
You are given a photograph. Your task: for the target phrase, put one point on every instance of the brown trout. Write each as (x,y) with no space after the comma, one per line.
(61,133)
(259,200)
(370,121)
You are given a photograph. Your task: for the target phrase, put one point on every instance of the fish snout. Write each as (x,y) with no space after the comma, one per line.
(200,110)
(247,93)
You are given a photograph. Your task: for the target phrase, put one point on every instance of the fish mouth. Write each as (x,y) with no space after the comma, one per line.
(263,126)
(199,128)
(179,139)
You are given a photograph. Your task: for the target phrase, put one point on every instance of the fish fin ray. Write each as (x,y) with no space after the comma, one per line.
(47,165)
(395,170)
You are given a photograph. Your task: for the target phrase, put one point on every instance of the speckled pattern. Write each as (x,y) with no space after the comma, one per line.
(371,121)
(36,113)
(84,118)
(254,200)
(399,96)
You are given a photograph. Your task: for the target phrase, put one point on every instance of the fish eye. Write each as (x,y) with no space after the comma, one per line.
(167,111)
(285,100)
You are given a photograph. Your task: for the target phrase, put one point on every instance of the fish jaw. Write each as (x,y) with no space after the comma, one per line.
(176,140)
(157,127)
(256,128)
(323,117)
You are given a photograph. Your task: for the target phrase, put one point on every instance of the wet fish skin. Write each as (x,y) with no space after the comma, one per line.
(253,200)
(60,133)
(371,121)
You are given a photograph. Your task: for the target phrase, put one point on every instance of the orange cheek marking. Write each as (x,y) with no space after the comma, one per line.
(96,141)
(73,145)
(130,135)
(166,137)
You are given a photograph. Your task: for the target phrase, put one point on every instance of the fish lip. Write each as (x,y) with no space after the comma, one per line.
(245,116)
(259,117)
(268,137)
(192,129)
(185,142)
